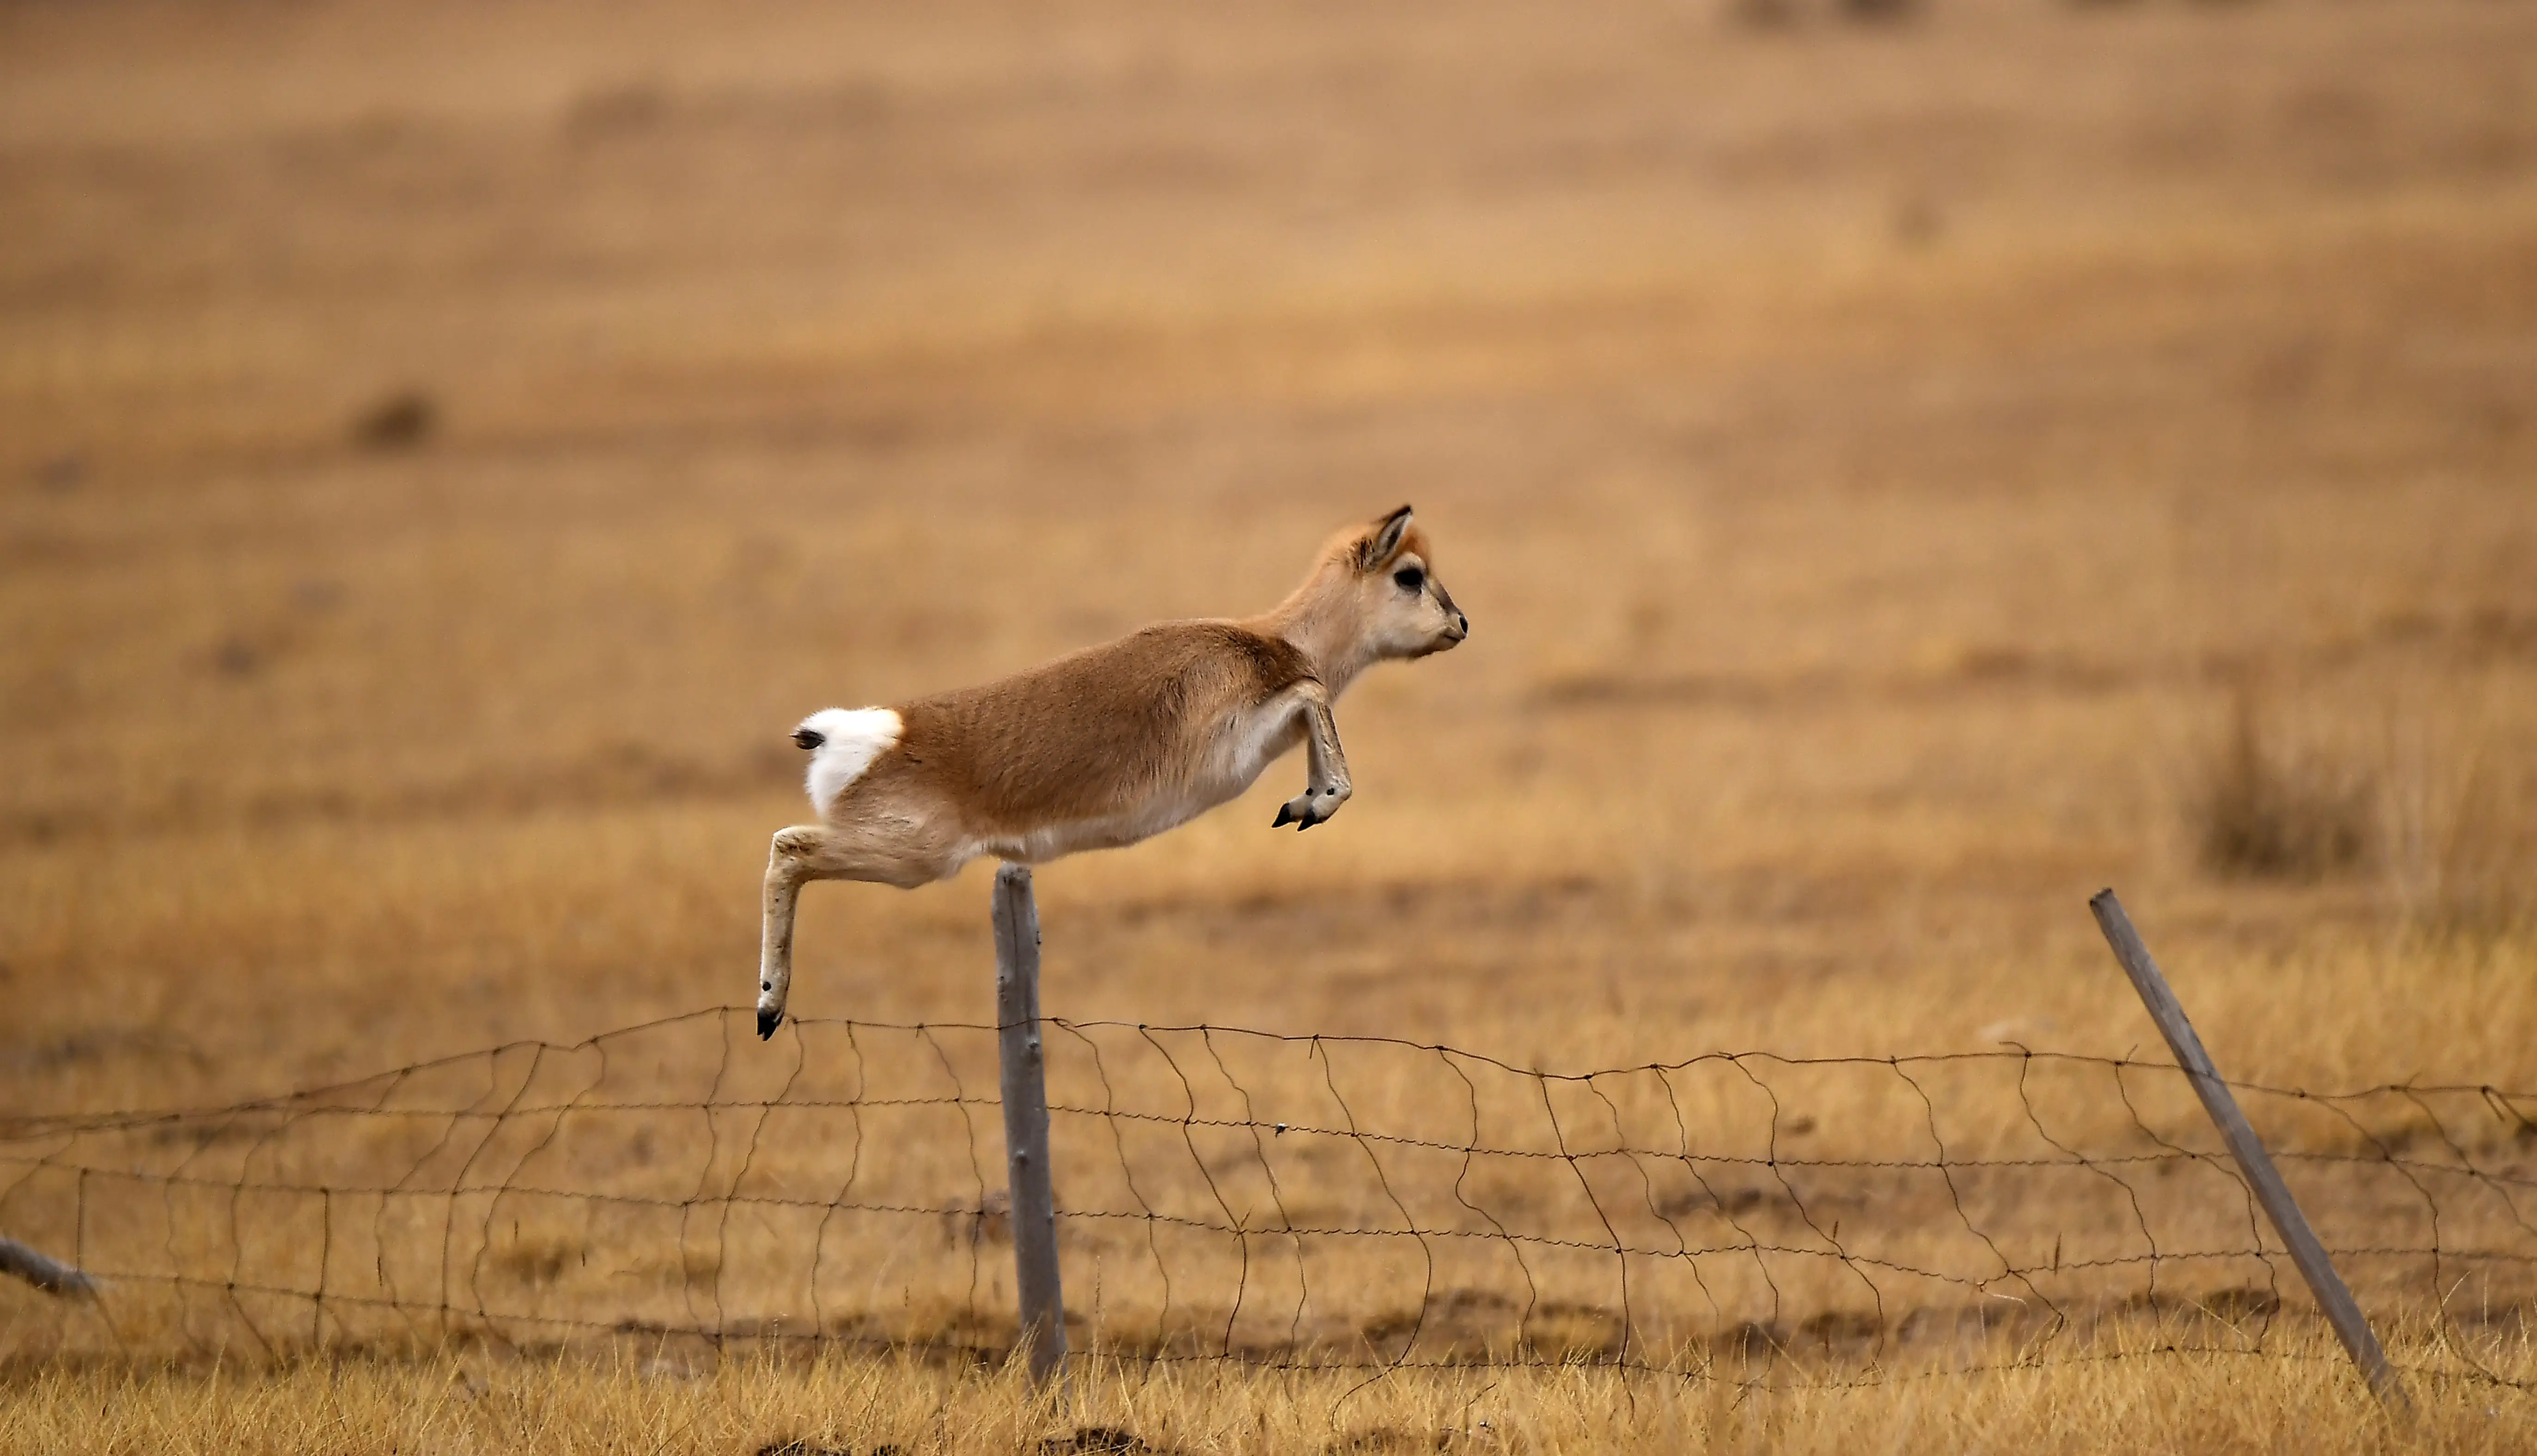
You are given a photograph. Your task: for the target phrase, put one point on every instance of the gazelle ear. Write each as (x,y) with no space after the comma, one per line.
(1379,547)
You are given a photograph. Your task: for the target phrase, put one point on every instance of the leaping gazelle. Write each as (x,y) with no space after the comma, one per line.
(1108,746)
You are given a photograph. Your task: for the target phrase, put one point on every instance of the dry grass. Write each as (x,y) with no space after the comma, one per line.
(442,449)
(2174,1403)
(2264,810)
(2461,831)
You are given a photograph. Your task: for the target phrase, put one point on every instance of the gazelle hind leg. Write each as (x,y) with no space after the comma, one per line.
(912,845)
(791,863)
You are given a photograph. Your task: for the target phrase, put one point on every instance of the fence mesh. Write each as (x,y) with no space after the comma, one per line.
(1230,1195)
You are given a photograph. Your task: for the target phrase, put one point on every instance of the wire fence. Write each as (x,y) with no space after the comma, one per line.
(1230,1195)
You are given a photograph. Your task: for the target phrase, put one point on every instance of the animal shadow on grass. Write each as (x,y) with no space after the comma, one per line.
(1105,1440)
(1386,1440)
(1088,1440)
(401,420)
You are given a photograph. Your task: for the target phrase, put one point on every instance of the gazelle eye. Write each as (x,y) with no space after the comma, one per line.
(1409,579)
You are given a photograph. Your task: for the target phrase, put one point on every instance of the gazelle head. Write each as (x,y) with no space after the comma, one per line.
(1404,610)
(1373,595)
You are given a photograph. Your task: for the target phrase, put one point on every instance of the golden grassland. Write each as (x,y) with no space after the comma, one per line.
(1903,478)
(2156,1403)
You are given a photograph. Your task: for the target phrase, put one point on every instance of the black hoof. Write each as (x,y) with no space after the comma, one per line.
(808,737)
(1285,816)
(768,1021)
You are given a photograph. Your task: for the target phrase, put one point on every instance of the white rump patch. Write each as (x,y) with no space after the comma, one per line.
(851,738)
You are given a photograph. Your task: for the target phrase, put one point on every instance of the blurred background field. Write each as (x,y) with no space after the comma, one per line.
(1906,467)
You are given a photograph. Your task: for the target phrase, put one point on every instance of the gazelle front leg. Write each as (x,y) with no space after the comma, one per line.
(1326,786)
(788,867)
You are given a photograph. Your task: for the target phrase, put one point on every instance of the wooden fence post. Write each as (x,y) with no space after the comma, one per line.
(50,1275)
(2307,1252)
(1025,1098)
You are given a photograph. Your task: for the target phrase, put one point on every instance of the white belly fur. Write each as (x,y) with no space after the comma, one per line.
(1243,750)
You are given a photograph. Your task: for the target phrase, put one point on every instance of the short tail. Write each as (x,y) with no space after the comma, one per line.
(843,743)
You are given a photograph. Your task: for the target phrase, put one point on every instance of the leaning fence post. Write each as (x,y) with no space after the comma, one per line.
(1025,1094)
(2332,1295)
(50,1275)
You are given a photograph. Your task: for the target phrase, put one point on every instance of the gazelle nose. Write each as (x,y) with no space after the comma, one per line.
(1461,624)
